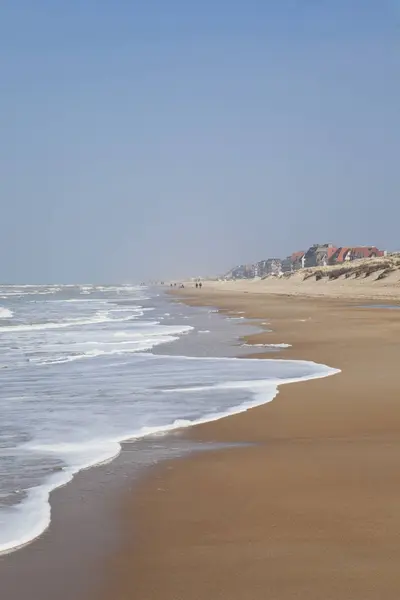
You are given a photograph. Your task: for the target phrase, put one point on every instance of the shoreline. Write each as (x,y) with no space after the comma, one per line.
(308,508)
(166,430)
(52,550)
(85,530)
(117,543)
(58,477)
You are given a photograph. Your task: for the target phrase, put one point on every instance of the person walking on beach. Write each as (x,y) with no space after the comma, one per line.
(197,285)
(200,285)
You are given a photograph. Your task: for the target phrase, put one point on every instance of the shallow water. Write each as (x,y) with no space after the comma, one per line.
(85,367)
(389,306)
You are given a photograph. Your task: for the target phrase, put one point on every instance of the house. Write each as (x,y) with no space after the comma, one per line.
(365,252)
(341,255)
(270,266)
(319,255)
(298,260)
(294,262)
(346,253)
(260,268)
(287,265)
(241,272)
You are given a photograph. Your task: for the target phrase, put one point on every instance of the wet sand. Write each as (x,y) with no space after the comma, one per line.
(65,563)
(310,508)
(306,507)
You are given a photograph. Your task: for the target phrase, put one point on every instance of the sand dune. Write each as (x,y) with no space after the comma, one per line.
(376,279)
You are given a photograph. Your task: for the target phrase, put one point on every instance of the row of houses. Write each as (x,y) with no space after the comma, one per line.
(321,255)
(318,255)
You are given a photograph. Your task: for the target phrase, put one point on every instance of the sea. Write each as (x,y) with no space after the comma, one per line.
(85,367)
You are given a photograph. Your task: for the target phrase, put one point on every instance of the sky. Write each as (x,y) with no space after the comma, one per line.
(158,139)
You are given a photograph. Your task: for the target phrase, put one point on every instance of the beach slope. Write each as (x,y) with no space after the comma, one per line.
(308,507)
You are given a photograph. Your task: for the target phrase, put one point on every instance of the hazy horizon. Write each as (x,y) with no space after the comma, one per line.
(157,140)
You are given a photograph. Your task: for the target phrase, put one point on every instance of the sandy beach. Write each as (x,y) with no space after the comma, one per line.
(200,300)
(306,506)
(301,501)
(381,284)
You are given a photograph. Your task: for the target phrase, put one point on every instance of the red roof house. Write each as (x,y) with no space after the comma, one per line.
(346,253)
(366,252)
(341,255)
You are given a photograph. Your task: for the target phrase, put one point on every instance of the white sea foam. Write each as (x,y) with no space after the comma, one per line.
(268,345)
(144,335)
(122,348)
(73,300)
(257,380)
(70,394)
(99,317)
(22,523)
(5,313)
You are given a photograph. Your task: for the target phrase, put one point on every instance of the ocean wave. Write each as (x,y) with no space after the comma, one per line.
(243,384)
(98,318)
(75,393)
(138,346)
(143,337)
(20,291)
(268,345)
(6,313)
(74,300)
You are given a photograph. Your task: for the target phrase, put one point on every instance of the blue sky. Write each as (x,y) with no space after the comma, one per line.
(166,138)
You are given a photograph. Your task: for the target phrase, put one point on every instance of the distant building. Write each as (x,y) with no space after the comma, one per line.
(298,260)
(319,255)
(342,254)
(366,252)
(346,253)
(270,266)
(241,272)
(294,262)
(287,265)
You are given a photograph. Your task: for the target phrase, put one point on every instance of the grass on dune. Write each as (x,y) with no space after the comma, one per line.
(361,268)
